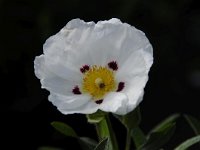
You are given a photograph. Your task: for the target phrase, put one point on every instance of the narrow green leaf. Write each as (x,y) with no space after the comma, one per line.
(138,137)
(96,117)
(48,148)
(165,122)
(188,143)
(64,129)
(158,138)
(130,120)
(194,123)
(87,143)
(103,145)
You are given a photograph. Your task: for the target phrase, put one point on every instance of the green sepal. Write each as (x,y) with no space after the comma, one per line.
(96,117)
(130,120)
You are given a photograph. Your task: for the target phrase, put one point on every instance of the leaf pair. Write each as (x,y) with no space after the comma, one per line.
(159,136)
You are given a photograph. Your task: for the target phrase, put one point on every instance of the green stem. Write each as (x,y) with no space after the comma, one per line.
(97,126)
(104,129)
(112,134)
(128,140)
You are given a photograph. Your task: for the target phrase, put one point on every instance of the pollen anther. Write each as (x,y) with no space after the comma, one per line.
(113,65)
(98,81)
(84,68)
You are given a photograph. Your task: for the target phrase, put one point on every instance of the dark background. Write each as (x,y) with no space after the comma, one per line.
(172,26)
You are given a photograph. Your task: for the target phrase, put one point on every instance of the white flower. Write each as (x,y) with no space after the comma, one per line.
(88,66)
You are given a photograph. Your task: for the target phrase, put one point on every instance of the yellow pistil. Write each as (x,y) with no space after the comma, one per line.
(98,81)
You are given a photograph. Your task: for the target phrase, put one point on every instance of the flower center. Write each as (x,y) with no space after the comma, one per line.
(98,81)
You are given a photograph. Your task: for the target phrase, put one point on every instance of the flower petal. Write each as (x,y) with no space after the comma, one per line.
(134,72)
(67,45)
(138,63)
(58,85)
(116,103)
(134,90)
(133,66)
(53,81)
(39,68)
(73,104)
(147,53)
(80,43)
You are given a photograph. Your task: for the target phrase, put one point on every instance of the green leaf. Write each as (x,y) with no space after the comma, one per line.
(138,137)
(130,120)
(194,123)
(166,122)
(188,143)
(158,138)
(103,145)
(87,143)
(64,129)
(96,117)
(48,148)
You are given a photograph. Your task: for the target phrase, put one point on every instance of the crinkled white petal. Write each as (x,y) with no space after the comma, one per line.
(134,73)
(53,81)
(73,104)
(81,43)
(134,65)
(39,67)
(115,102)
(147,53)
(135,90)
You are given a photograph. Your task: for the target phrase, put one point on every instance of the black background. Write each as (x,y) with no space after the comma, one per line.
(173,28)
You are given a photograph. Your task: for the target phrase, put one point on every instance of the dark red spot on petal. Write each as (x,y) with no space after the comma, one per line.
(120,86)
(76,90)
(84,68)
(113,65)
(99,101)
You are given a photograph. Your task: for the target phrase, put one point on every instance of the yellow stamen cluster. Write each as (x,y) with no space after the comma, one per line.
(98,81)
